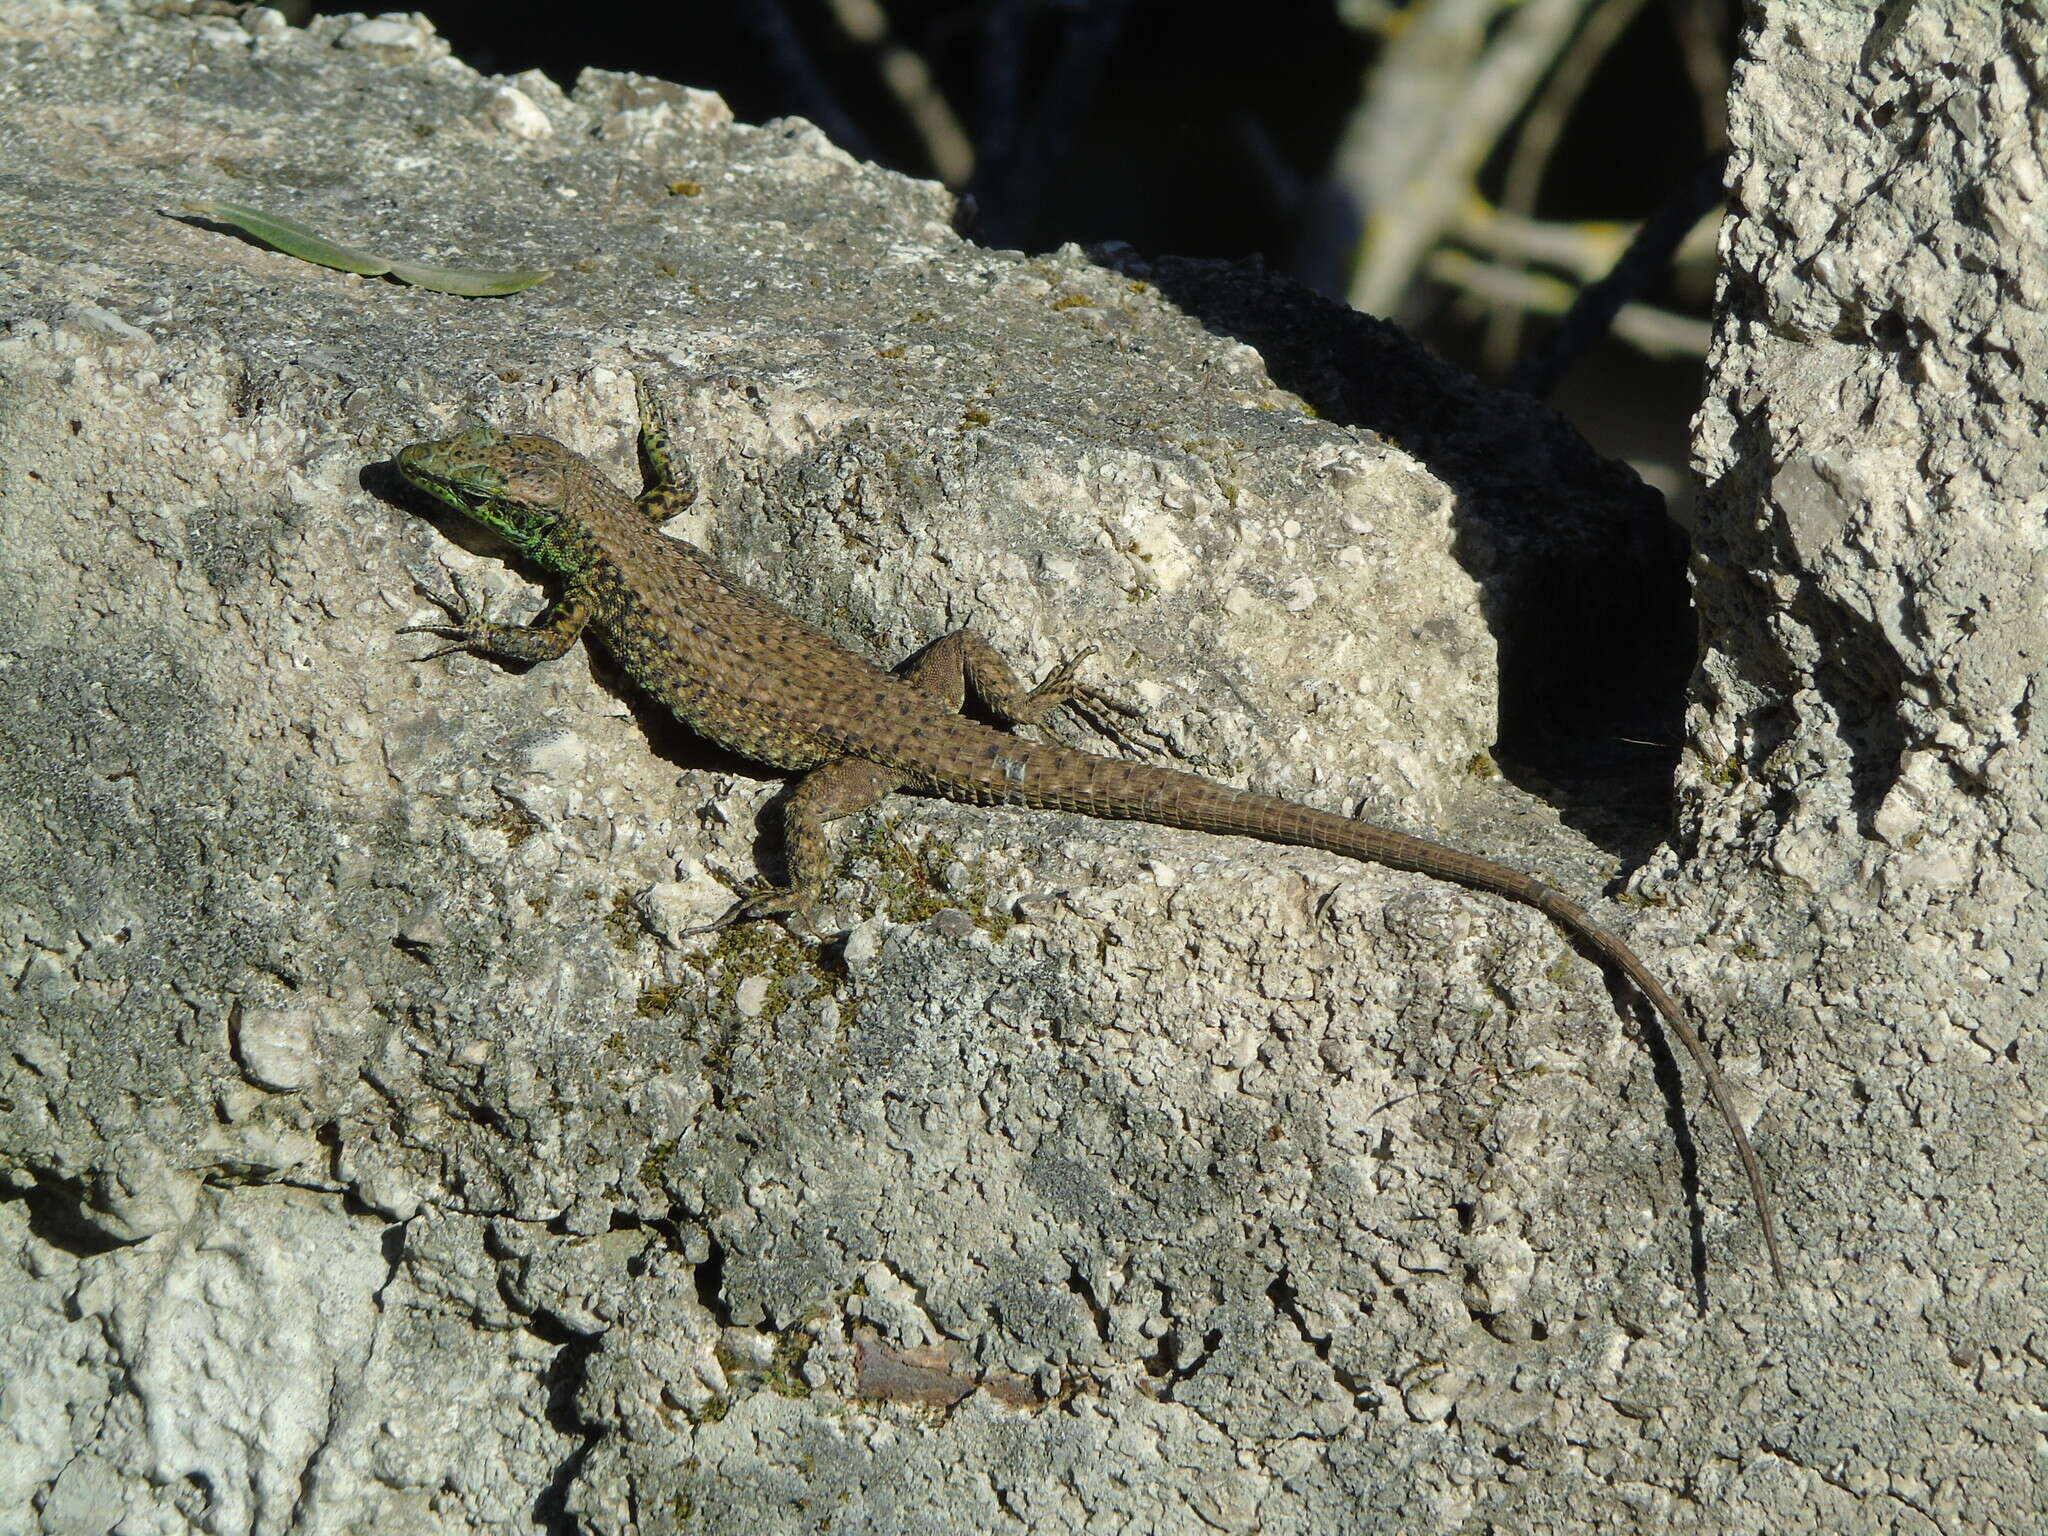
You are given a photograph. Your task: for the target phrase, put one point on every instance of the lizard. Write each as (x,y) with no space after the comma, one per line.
(745,674)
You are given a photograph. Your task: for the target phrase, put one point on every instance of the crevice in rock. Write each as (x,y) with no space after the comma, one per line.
(710,1279)
(1098,1314)
(1169,1364)
(564,1380)
(1287,1303)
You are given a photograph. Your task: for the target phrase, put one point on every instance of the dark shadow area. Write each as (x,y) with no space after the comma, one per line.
(1664,1066)
(1857,671)
(56,1215)
(710,1280)
(1861,679)
(1583,577)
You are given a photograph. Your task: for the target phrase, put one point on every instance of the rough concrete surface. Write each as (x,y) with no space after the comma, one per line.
(385,1154)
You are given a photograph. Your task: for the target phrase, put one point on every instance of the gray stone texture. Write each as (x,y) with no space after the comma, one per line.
(385,1153)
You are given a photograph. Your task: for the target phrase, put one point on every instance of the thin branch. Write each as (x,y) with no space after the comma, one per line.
(1586,249)
(1697,24)
(1409,205)
(1537,141)
(1601,304)
(1657,332)
(904,72)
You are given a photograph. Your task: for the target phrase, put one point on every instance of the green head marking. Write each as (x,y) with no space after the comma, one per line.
(514,483)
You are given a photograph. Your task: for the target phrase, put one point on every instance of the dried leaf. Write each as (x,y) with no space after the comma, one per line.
(309,245)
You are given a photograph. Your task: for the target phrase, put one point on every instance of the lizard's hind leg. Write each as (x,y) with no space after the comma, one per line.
(824,794)
(953,665)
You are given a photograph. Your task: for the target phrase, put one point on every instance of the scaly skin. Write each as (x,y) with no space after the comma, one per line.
(741,672)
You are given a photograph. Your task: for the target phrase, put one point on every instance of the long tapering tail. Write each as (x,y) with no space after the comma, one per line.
(1144,792)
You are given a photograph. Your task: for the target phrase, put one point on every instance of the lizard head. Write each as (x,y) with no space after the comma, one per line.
(514,483)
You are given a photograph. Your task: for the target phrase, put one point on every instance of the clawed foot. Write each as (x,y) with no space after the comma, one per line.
(765,901)
(468,625)
(1063,689)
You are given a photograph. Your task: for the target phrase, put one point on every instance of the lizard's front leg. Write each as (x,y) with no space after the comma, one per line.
(671,482)
(472,628)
